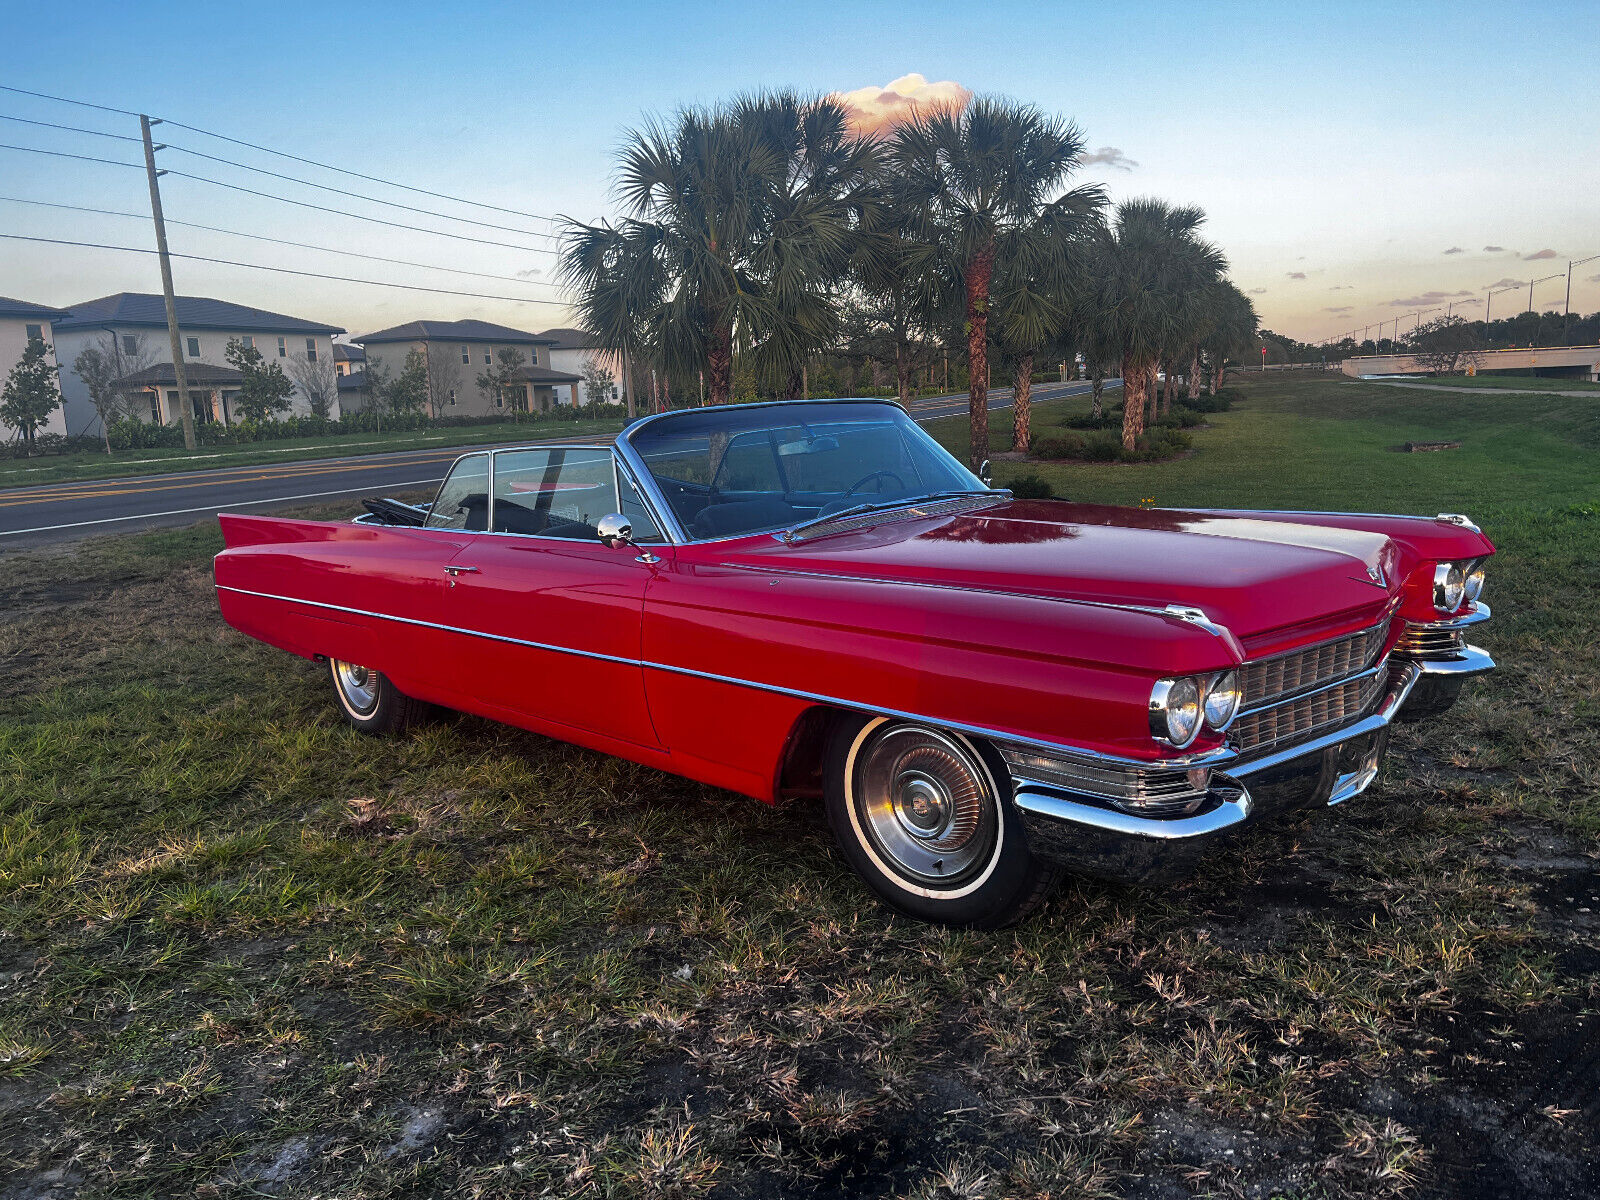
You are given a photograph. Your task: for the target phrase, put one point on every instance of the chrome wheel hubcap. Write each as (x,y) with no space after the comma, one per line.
(359,686)
(926,804)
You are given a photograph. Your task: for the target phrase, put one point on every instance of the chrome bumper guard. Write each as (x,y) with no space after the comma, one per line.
(1086,834)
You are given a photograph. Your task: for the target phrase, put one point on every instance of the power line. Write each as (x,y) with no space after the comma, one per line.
(64,100)
(310,162)
(258,237)
(121,137)
(356,195)
(226,262)
(460,237)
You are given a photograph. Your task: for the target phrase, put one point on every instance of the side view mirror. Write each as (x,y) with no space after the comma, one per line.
(984,473)
(616,531)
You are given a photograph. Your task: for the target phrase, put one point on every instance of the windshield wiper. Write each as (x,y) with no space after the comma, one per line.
(899,502)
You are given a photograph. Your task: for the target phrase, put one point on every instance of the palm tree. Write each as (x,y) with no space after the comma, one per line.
(977,182)
(1232,333)
(738,222)
(1149,265)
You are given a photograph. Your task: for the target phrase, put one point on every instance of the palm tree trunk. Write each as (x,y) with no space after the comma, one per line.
(793,384)
(979,271)
(719,364)
(902,371)
(1022,405)
(1167,386)
(1194,372)
(1097,389)
(1135,380)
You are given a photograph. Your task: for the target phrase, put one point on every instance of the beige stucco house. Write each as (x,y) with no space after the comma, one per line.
(457,353)
(21,321)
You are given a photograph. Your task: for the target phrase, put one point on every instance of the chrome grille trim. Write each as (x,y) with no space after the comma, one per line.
(1270,681)
(1161,792)
(1303,716)
(1426,641)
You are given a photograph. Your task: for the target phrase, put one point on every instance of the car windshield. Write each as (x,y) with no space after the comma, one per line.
(731,471)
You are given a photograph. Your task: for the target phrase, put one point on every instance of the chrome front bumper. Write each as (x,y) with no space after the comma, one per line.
(1092,838)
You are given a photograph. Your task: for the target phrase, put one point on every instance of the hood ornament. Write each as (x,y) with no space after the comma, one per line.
(1375,573)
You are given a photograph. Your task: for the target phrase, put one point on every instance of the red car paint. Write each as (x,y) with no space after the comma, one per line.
(703,663)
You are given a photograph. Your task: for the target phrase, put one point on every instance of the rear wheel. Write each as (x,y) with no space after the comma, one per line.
(369,701)
(924,817)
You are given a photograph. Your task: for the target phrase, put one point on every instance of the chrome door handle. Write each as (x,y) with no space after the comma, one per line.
(455,570)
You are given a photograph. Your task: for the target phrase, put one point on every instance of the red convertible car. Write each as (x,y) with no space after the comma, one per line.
(814,599)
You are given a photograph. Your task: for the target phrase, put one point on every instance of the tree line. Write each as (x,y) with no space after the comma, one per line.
(763,235)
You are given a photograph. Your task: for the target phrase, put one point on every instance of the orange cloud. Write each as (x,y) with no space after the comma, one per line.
(877,110)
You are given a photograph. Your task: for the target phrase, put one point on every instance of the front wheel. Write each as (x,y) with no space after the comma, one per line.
(923,816)
(369,701)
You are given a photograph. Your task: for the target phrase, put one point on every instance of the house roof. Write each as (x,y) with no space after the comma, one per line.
(543,375)
(194,312)
(573,339)
(21,308)
(194,374)
(452,331)
(343,352)
(353,382)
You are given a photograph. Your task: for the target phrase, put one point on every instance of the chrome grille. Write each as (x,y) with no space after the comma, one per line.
(1164,793)
(1430,641)
(1268,680)
(1299,718)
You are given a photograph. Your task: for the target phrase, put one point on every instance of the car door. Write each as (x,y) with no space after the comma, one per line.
(555,616)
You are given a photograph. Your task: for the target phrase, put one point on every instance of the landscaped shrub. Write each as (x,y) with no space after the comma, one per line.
(50,443)
(1221,402)
(1157,445)
(1109,418)
(1067,445)
(1031,486)
(1182,417)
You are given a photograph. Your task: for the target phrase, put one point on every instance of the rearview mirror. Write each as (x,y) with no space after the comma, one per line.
(984,474)
(814,445)
(615,530)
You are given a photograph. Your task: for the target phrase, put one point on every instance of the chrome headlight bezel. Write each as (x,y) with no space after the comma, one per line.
(1449,586)
(1169,700)
(1221,700)
(1474,580)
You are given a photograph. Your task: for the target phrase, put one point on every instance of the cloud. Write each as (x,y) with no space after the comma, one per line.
(1343,308)
(1297,274)
(1427,298)
(1258,291)
(1343,287)
(1538,254)
(1507,282)
(530,273)
(1110,156)
(877,110)
(1455,250)
(1494,249)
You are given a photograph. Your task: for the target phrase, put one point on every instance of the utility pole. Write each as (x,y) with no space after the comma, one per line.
(1566,309)
(179,375)
(1531,282)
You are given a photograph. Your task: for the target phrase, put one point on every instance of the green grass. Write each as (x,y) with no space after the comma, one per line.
(1516,383)
(59,468)
(244,950)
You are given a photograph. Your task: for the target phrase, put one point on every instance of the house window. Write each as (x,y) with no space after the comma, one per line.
(130,343)
(452,397)
(311,349)
(155,408)
(283,348)
(194,347)
(248,341)
(35,331)
(614,395)
(499,399)
(466,356)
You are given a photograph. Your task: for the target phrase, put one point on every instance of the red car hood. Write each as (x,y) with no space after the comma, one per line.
(1254,576)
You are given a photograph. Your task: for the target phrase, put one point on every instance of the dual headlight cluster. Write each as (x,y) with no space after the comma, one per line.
(1454,582)
(1181,708)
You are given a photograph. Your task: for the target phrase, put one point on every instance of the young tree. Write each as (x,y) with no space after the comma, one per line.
(597,382)
(32,392)
(500,380)
(408,391)
(265,389)
(979,181)
(445,381)
(316,381)
(97,367)
(1446,346)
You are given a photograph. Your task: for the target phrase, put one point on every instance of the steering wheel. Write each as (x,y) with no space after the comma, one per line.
(869,477)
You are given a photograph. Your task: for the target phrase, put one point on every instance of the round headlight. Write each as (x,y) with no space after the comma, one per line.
(1222,700)
(1175,711)
(1449,586)
(1475,581)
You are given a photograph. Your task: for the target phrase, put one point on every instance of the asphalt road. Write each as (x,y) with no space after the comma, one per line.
(64,512)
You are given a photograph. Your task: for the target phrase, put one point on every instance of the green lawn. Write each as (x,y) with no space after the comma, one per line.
(1515,383)
(246,951)
(58,468)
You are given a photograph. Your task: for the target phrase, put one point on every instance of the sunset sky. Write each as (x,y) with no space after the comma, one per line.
(1357,161)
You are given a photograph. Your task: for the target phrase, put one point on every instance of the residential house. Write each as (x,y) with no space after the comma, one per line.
(348,359)
(19,323)
(456,353)
(133,327)
(573,350)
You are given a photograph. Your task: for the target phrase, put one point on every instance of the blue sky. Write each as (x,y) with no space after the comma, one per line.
(1340,151)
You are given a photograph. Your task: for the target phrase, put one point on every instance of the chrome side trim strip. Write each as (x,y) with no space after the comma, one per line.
(1173,612)
(1469,660)
(1037,800)
(1479,614)
(1218,757)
